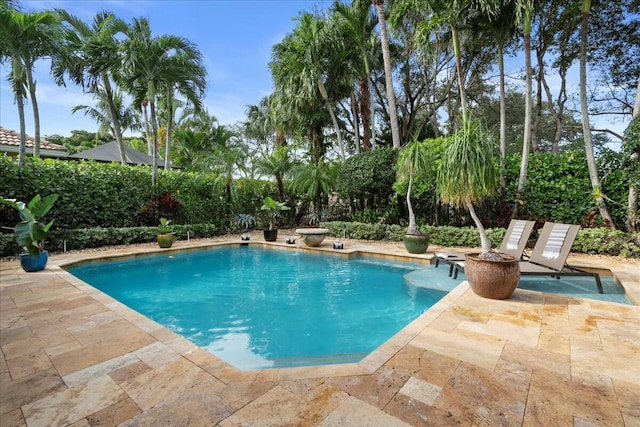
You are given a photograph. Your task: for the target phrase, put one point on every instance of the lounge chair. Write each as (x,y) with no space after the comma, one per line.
(550,254)
(513,243)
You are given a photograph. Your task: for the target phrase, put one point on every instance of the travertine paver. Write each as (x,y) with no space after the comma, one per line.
(71,355)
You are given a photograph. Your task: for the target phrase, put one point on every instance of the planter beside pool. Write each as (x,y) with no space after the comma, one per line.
(313,236)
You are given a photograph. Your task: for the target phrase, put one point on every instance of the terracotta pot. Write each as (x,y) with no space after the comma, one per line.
(166,240)
(416,243)
(492,279)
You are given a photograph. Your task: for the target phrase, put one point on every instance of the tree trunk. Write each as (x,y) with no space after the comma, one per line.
(16,68)
(36,112)
(412,229)
(386,57)
(147,131)
(154,128)
(632,199)
(167,152)
(114,117)
(365,114)
(356,122)
(586,129)
(524,164)
(503,119)
(334,120)
(484,240)
(463,92)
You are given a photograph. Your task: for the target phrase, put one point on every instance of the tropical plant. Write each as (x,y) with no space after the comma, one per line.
(165,227)
(272,209)
(30,232)
(91,58)
(25,37)
(278,164)
(414,160)
(467,174)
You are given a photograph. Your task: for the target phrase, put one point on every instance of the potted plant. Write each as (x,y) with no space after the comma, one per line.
(30,232)
(272,209)
(244,221)
(166,237)
(467,175)
(414,161)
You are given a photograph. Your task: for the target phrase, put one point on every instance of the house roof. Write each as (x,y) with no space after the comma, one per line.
(10,143)
(109,152)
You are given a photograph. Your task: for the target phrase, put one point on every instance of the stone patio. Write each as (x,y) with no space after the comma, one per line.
(72,355)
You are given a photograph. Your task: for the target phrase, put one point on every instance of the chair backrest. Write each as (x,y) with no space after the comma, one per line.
(516,237)
(554,244)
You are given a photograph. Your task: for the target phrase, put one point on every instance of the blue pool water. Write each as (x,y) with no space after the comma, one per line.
(259,308)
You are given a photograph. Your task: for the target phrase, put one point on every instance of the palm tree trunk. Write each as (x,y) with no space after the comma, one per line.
(16,66)
(526,138)
(154,128)
(356,122)
(114,117)
(147,131)
(334,120)
(31,84)
(386,57)
(463,92)
(586,129)
(503,118)
(412,229)
(167,152)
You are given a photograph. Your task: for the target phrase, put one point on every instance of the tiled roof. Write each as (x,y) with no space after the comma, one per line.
(12,138)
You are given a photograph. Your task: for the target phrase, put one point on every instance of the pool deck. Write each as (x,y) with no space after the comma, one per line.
(72,355)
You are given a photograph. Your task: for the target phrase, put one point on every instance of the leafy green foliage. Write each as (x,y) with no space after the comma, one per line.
(30,231)
(369,175)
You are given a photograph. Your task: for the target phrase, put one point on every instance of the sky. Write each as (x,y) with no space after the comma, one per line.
(234,36)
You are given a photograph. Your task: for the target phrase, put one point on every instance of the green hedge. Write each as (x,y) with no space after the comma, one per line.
(589,240)
(98,237)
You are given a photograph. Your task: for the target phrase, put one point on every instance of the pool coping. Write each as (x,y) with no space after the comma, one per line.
(74,355)
(220,368)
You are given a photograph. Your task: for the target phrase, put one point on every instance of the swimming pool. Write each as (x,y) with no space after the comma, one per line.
(262,308)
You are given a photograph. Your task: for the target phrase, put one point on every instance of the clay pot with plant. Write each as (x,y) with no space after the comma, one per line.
(467,175)
(30,232)
(272,209)
(166,237)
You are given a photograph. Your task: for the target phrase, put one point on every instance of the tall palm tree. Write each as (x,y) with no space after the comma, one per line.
(386,56)
(315,181)
(148,63)
(278,164)
(91,58)
(24,37)
(358,24)
(586,127)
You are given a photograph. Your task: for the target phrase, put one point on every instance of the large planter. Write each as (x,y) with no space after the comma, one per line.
(492,279)
(166,240)
(271,235)
(313,236)
(33,263)
(416,243)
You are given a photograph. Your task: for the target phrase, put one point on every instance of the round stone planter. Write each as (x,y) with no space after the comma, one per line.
(416,243)
(313,236)
(31,264)
(492,279)
(166,240)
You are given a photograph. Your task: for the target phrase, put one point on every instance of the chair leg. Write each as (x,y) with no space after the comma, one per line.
(437,262)
(455,273)
(598,283)
(450,269)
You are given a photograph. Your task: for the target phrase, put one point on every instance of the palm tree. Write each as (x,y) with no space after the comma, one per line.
(315,181)
(386,56)
(358,26)
(149,63)
(127,116)
(278,165)
(91,58)
(586,127)
(467,174)
(25,37)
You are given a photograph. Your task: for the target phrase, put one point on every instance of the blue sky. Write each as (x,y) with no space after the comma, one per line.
(234,36)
